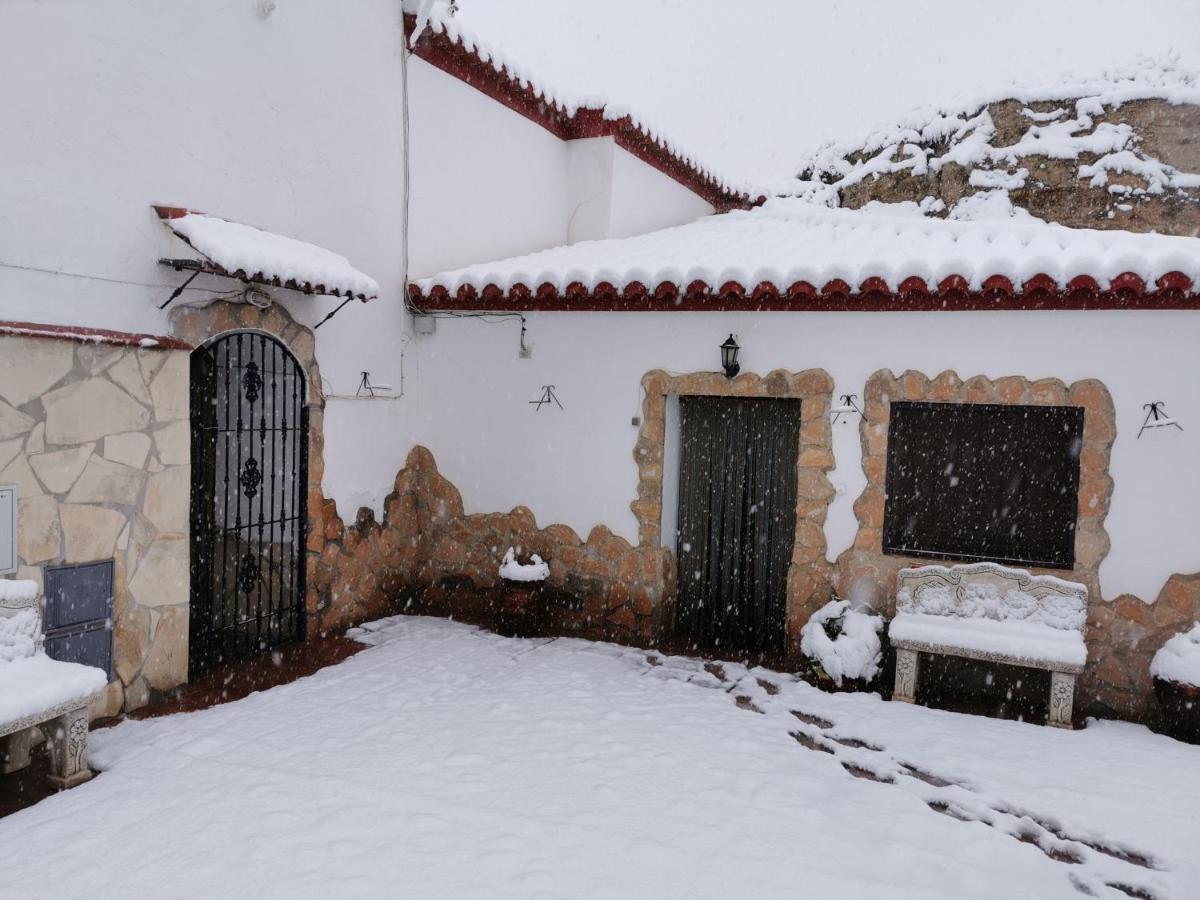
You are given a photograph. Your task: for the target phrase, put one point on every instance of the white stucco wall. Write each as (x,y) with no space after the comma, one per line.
(112,105)
(644,199)
(487,182)
(575,465)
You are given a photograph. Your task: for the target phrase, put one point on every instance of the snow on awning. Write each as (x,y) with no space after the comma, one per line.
(259,257)
(793,255)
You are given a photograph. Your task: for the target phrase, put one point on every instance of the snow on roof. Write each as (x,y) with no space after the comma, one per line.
(251,254)
(796,249)
(931,137)
(86,335)
(571,116)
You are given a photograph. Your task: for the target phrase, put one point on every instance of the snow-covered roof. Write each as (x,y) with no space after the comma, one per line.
(442,39)
(793,254)
(253,255)
(1068,127)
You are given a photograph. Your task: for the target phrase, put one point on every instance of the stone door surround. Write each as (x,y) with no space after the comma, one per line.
(809,575)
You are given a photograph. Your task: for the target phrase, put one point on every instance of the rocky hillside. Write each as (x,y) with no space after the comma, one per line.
(1119,152)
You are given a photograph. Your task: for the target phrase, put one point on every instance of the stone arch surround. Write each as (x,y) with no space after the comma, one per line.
(200,324)
(1122,633)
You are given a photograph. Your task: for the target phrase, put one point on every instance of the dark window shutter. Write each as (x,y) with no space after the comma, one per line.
(978,481)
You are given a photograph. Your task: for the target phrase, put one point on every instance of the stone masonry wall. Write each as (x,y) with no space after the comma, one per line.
(432,557)
(95,436)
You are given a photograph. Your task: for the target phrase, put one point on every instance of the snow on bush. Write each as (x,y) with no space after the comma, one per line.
(852,650)
(18,635)
(534,570)
(1179,658)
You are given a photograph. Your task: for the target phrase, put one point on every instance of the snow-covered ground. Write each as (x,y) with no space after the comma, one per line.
(447,761)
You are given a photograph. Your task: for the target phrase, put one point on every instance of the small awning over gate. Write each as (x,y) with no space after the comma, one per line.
(255,256)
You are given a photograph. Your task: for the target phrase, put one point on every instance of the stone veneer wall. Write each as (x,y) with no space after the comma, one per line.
(1122,634)
(440,560)
(95,436)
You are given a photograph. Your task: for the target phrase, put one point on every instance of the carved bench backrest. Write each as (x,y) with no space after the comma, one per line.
(20,620)
(992,591)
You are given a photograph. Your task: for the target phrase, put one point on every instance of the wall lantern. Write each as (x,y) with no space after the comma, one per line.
(729,357)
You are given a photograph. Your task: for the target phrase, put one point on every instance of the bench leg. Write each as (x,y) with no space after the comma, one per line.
(1062,699)
(68,749)
(14,756)
(908,664)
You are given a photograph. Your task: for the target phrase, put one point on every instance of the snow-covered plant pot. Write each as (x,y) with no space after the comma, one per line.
(1176,673)
(843,644)
(521,607)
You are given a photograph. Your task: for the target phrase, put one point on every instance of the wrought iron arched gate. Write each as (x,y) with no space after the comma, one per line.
(249,499)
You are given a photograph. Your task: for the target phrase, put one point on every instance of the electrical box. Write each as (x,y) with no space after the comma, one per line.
(8,529)
(423,326)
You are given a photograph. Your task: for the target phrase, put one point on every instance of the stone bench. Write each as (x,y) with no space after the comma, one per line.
(989,612)
(38,691)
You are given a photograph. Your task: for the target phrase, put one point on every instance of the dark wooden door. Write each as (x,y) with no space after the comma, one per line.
(737,522)
(249,499)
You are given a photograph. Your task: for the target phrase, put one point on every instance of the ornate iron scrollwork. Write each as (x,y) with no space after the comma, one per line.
(250,478)
(248,573)
(252,381)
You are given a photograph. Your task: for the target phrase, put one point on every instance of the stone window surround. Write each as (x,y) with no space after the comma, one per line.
(866,559)
(810,574)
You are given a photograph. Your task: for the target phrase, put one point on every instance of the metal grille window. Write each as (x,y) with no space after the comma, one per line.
(249,498)
(980,481)
(78,617)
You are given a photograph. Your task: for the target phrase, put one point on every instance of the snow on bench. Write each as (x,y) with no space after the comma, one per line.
(990,612)
(36,690)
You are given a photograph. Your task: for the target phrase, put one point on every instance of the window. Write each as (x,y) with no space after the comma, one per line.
(977,481)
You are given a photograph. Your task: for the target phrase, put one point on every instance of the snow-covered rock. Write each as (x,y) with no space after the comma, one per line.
(856,650)
(1078,148)
(1178,659)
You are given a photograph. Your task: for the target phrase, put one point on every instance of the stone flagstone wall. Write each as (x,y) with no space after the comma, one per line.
(95,437)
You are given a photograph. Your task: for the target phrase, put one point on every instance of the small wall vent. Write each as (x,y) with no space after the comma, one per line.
(78,617)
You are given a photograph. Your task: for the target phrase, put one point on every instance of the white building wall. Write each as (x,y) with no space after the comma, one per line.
(487,182)
(645,199)
(290,121)
(576,466)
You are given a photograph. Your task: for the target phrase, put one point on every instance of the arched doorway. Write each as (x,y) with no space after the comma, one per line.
(249,498)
